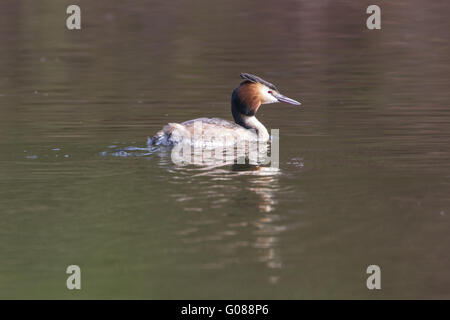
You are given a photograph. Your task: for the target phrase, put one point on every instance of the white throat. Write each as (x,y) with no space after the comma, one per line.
(252,123)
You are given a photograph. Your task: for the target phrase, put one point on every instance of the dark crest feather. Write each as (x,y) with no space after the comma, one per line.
(255,79)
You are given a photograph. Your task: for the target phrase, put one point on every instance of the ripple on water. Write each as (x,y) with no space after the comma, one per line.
(131,151)
(52,153)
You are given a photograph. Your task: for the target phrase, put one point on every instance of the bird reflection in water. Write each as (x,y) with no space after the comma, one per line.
(236,211)
(265,185)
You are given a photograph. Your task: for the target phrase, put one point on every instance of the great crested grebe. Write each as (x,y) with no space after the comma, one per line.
(245,102)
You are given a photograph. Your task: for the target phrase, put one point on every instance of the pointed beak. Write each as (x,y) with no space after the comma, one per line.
(282,98)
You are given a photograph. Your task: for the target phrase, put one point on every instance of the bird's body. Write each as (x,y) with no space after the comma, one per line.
(203,131)
(245,102)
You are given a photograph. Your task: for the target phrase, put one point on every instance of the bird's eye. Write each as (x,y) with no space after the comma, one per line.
(269,91)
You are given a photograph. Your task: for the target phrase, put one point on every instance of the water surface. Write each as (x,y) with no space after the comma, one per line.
(364,173)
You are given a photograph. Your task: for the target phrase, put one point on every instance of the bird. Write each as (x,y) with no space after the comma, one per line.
(246,100)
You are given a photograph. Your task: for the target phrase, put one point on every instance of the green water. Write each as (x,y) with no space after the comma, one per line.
(364,165)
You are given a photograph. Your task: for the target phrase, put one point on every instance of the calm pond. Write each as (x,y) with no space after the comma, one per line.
(364,175)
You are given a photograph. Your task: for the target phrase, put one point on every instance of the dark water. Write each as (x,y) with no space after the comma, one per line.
(364,165)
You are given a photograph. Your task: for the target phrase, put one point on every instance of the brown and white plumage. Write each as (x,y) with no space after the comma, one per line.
(245,102)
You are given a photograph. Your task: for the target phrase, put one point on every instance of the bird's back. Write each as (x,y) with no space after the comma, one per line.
(203,131)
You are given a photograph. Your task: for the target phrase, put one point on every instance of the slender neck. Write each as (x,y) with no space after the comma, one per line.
(250,122)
